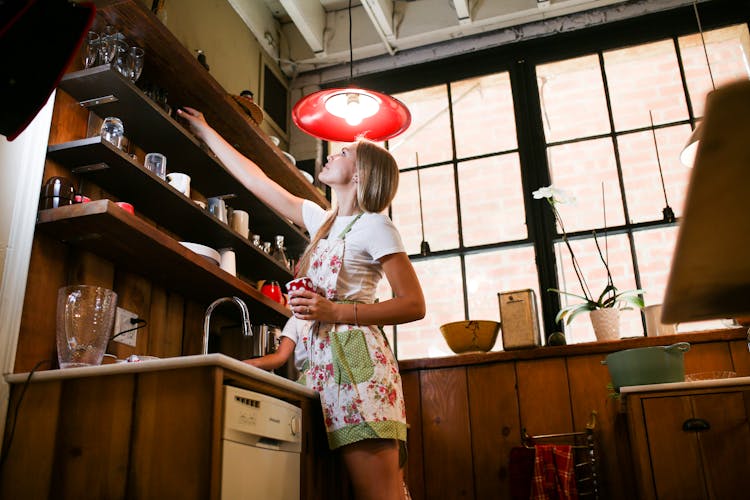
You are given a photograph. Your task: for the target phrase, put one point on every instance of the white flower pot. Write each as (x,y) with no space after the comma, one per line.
(606,323)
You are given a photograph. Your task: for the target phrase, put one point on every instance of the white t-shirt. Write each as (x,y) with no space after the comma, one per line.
(371,238)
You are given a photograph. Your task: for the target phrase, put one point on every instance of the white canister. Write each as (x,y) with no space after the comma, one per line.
(228,261)
(241,222)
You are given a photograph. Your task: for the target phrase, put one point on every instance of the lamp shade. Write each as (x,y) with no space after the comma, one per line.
(687,156)
(344,114)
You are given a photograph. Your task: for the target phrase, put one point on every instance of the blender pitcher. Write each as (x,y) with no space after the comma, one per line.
(85,316)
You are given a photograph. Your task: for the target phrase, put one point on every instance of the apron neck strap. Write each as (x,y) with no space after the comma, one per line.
(349,226)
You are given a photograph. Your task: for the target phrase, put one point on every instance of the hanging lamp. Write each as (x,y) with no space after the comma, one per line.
(687,156)
(344,114)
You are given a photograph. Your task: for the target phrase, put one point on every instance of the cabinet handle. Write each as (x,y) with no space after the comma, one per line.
(695,425)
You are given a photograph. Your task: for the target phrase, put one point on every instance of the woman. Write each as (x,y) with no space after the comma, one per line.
(349,364)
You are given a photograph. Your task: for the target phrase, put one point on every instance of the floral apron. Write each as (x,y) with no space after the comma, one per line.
(350,366)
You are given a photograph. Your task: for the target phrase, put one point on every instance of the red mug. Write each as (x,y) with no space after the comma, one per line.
(272,290)
(303,283)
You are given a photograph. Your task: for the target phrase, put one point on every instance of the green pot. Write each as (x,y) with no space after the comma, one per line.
(647,365)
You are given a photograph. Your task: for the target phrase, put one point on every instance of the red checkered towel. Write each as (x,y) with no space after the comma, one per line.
(554,476)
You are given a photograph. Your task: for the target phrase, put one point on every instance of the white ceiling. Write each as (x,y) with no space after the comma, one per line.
(311,35)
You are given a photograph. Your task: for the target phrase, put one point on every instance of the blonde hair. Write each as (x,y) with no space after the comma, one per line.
(378,182)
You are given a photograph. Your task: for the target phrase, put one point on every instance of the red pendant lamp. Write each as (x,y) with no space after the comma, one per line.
(344,114)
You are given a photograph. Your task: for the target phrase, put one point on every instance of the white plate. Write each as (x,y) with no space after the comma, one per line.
(206,252)
(290,158)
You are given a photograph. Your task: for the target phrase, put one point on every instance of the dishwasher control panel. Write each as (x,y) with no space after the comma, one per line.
(259,420)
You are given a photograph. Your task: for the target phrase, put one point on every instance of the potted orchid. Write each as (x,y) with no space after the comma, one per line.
(610,298)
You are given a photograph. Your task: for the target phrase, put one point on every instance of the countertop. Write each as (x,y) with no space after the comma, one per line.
(698,384)
(219,360)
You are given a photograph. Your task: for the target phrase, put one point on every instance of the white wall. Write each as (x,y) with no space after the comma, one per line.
(21,171)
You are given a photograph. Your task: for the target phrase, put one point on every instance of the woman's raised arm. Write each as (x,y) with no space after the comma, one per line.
(245,170)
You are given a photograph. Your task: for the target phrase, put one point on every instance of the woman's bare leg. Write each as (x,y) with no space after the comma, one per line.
(373,469)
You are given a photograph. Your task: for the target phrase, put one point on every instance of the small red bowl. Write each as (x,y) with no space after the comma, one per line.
(126,206)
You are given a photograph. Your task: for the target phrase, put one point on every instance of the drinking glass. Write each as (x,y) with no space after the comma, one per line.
(90,52)
(113,131)
(122,61)
(136,63)
(157,163)
(85,316)
(107,46)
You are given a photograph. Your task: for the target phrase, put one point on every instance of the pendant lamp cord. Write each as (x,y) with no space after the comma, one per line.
(351,51)
(419,192)
(703,42)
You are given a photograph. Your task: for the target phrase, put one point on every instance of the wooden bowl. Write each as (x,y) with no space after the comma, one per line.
(470,335)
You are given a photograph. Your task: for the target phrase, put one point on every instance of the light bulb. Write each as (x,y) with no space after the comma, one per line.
(352,106)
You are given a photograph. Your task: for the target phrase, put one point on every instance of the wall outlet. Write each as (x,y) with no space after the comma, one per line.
(123,322)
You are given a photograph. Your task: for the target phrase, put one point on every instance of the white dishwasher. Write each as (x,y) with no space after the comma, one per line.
(261,442)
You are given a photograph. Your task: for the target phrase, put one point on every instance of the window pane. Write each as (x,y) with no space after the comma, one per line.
(727,50)
(443,294)
(491,200)
(640,172)
(438,209)
(429,133)
(571,94)
(645,78)
(489,273)
(579,169)
(483,115)
(655,249)
(620,261)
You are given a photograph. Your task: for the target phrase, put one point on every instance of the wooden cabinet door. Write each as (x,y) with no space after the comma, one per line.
(710,463)
(495,428)
(446,435)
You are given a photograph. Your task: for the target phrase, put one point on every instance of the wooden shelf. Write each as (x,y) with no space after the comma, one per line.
(102,163)
(147,125)
(167,61)
(109,231)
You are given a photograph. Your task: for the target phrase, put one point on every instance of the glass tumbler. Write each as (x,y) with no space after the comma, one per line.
(136,63)
(113,131)
(90,52)
(157,163)
(85,316)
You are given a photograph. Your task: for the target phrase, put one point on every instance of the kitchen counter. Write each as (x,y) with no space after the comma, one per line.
(215,360)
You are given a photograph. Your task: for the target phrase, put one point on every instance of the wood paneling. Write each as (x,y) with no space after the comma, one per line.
(33,445)
(495,428)
(173,413)
(92,439)
(446,434)
(740,357)
(589,391)
(708,358)
(544,396)
(133,294)
(414,472)
(165,323)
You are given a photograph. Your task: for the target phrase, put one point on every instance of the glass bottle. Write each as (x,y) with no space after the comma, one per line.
(279,251)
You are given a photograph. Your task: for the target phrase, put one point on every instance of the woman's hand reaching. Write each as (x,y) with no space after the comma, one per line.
(196,120)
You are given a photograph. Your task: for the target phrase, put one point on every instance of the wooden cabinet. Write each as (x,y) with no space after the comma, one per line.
(139,432)
(467,412)
(691,443)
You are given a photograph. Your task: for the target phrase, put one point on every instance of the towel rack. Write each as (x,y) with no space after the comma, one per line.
(585,454)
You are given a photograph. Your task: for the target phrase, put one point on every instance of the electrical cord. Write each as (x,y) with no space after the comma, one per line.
(133,321)
(6,448)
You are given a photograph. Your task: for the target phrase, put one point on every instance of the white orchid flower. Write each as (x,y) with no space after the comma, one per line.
(553,195)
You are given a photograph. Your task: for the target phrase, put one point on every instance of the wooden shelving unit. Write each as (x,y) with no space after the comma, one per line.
(109,231)
(102,163)
(106,92)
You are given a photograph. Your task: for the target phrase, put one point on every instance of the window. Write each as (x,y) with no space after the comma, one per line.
(597,121)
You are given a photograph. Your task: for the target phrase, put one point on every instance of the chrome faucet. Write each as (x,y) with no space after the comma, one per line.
(247,328)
